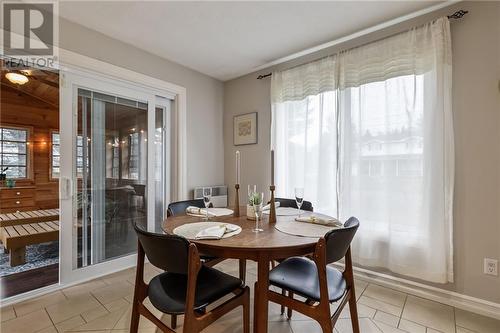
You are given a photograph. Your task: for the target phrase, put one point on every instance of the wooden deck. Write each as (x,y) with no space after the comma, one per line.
(32,279)
(33,216)
(15,238)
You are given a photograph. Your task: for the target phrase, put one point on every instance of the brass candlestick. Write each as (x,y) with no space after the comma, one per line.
(237,201)
(272,210)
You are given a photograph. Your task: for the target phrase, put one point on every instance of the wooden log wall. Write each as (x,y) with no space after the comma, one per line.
(25,110)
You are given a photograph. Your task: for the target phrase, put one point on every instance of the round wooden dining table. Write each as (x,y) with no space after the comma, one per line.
(262,247)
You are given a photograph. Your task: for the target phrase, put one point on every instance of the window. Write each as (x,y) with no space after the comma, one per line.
(368,132)
(14,152)
(79,155)
(115,161)
(305,140)
(56,155)
(133,157)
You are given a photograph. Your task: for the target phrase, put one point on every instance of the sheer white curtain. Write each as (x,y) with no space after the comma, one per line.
(389,159)
(304,133)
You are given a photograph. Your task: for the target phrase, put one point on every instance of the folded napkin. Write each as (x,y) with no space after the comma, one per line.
(216,232)
(198,211)
(331,222)
(212,233)
(268,206)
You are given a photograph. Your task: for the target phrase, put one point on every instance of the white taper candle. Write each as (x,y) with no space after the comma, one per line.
(238,171)
(272,167)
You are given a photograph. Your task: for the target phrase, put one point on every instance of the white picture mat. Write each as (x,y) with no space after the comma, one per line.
(245,129)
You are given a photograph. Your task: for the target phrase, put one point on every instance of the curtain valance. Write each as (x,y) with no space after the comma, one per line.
(409,53)
(306,80)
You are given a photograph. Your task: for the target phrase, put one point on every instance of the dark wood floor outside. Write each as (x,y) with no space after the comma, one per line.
(22,282)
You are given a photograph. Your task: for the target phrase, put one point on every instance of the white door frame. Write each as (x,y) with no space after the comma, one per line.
(71,64)
(72,61)
(166,105)
(74,80)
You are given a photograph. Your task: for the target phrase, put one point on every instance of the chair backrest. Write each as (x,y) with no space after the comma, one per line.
(339,240)
(306,205)
(179,207)
(167,252)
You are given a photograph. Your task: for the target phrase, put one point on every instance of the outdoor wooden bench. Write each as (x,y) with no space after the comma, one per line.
(32,216)
(15,238)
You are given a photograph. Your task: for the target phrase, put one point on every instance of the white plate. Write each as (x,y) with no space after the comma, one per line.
(190,230)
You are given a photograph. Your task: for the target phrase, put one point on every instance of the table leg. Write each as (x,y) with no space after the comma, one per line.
(260,301)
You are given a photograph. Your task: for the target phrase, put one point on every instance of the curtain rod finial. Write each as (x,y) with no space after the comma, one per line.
(260,77)
(458,14)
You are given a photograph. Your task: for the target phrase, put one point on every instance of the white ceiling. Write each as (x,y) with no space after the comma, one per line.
(228,39)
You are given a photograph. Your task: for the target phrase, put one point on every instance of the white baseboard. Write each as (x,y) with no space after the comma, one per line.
(460,301)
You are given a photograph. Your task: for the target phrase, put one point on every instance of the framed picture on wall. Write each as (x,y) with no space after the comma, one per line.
(245,129)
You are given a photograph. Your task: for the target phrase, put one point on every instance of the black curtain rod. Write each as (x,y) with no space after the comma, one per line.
(455,16)
(260,77)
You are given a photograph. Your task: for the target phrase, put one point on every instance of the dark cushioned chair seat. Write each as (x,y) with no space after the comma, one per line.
(300,276)
(167,291)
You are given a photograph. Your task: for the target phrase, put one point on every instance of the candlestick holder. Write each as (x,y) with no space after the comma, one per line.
(272,210)
(237,201)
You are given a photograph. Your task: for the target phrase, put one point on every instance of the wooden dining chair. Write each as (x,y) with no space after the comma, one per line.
(318,283)
(179,208)
(306,205)
(186,287)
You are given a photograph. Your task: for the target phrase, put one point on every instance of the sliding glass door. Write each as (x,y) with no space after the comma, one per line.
(111,168)
(115,172)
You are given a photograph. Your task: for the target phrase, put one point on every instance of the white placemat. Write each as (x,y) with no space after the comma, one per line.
(284,211)
(190,230)
(288,225)
(215,212)
(302,229)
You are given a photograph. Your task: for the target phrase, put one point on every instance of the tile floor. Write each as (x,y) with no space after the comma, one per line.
(104,305)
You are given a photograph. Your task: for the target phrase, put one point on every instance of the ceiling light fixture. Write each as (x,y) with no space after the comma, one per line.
(16,78)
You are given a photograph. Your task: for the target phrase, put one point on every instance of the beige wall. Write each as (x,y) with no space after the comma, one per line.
(205,157)
(476,108)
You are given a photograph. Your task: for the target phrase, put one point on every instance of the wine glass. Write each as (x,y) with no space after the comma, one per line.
(250,192)
(207,197)
(299,197)
(258,199)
